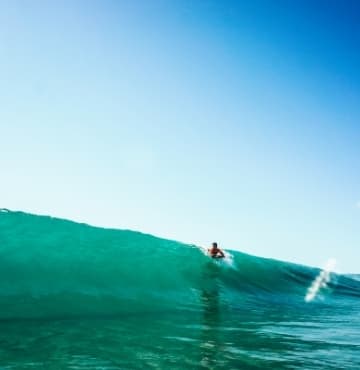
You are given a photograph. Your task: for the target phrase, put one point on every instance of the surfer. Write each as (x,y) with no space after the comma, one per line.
(215,251)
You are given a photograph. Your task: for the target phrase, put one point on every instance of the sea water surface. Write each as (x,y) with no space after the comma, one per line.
(73,296)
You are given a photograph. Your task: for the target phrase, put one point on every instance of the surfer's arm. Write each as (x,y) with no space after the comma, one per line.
(221,253)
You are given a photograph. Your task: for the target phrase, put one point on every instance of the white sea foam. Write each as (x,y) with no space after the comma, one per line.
(321,280)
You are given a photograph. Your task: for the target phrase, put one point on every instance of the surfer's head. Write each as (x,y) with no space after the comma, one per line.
(214,245)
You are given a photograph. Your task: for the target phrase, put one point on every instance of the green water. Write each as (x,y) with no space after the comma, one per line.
(74,296)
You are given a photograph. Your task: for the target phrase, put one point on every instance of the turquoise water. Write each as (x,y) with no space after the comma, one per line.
(74,296)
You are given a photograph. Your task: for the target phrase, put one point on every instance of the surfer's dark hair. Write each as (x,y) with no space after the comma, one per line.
(214,244)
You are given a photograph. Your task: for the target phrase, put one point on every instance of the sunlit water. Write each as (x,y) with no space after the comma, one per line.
(77,297)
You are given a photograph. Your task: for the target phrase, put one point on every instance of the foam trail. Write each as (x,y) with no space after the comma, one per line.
(321,280)
(229,259)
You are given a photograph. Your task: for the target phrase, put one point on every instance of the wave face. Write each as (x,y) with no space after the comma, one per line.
(51,267)
(74,296)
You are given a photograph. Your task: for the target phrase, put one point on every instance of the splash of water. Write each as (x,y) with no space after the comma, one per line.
(321,280)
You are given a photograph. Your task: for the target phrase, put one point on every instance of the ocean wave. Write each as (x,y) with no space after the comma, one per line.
(51,267)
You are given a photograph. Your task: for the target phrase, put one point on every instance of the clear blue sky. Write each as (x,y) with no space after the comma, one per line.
(193,120)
